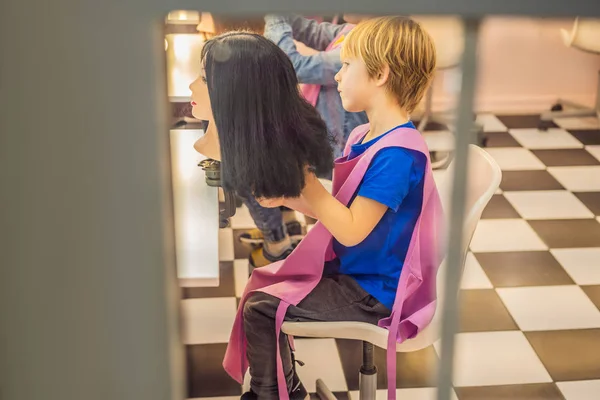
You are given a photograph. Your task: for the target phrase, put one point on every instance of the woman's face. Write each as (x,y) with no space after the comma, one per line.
(201,108)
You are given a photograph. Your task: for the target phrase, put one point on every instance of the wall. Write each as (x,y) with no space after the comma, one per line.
(524,66)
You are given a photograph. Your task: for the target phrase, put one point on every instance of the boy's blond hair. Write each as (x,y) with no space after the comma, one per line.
(404,46)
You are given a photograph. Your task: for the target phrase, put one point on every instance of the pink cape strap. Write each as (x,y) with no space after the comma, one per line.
(281,381)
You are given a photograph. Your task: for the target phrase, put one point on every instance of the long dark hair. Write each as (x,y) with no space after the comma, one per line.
(268,133)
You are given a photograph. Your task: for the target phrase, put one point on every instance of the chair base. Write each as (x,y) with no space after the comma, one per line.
(367,378)
(367,391)
(574,110)
(441,159)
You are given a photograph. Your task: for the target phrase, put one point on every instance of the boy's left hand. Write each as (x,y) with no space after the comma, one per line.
(271,203)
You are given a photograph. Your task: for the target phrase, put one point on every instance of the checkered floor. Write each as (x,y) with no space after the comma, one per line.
(530,315)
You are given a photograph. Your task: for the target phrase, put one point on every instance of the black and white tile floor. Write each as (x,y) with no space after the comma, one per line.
(530,316)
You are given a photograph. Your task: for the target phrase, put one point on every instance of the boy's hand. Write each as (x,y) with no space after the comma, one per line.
(271,203)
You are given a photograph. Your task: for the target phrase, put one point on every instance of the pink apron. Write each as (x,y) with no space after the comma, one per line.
(291,280)
(311,91)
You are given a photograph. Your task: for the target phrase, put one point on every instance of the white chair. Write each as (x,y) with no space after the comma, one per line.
(484,180)
(584,36)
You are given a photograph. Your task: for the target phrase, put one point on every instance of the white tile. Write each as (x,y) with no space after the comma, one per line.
(494,235)
(491,123)
(242,219)
(496,358)
(550,307)
(583,265)
(439,140)
(515,159)
(322,361)
(207,320)
(226,252)
(578,179)
(406,394)
(241,270)
(580,390)
(548,204)
(474,277)
(553,138)
(594,150)
(578,123)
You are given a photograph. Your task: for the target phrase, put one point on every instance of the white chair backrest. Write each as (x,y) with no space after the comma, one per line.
(448,35)
(484,176)
(585,35)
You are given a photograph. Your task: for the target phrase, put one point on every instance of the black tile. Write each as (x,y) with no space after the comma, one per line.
(499,207)
(534,391)
(226,286)
(591,200)
(338,395)
(528,180)
(500,139)
(565,157)
(205,373)
(586,136)
(568,233)
(522,121)
(593,292)
(240,250)
(416,369)
(432,126)
(483,311)
(523,268)
(571,355)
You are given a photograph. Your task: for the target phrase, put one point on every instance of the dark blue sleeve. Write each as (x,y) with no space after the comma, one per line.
(393,172)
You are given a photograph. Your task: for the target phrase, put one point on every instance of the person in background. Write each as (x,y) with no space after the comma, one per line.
(316,70)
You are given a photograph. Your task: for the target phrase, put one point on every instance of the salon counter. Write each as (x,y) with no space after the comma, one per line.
(196,211)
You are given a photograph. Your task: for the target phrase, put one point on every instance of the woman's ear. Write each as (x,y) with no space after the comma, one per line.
(382,76)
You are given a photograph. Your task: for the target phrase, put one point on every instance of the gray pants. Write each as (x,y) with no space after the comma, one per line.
(335,298)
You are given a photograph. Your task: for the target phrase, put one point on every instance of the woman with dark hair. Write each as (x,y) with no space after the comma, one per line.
(277,230)
(275,133)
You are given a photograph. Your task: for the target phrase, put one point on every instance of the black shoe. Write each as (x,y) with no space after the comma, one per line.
(298,392)
(249,396)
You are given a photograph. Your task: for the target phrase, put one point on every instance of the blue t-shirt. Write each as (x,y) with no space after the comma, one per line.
(395,179)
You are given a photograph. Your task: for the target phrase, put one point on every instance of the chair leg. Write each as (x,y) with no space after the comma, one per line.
(368,374)
(323,391)
(427,113)
(574,109)
(577,112)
